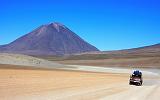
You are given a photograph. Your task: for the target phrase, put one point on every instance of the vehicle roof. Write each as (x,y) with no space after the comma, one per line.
(137,72)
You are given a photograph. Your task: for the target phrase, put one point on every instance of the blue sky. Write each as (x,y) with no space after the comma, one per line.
(107,24)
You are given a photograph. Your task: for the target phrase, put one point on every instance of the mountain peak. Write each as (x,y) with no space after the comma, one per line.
(56,25)
(50,39)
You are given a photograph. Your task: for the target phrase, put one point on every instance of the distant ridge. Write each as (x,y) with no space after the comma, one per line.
(50,39)
(146,49)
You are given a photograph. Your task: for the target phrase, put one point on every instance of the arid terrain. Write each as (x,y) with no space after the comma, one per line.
(48,80)
(148,56)
(150,62)
(17,83)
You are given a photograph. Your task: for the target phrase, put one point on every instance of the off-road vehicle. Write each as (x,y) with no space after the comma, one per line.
(136,78)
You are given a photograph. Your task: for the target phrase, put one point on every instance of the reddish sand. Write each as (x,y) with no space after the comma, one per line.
(28,84)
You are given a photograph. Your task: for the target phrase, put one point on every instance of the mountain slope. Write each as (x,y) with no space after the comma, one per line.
(146,51)
(50,39)
(148,56)
(29,61)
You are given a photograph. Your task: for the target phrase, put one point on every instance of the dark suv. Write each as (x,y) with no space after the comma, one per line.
(136,78)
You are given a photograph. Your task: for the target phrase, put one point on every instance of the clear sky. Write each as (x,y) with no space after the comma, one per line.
(107,24)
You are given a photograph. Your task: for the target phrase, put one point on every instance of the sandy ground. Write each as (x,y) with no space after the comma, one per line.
(27,84)
(142,62)
(24,60)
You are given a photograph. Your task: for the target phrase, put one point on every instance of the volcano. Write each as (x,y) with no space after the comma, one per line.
(50,39)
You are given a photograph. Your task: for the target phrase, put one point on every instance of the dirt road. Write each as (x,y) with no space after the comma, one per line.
(20,84)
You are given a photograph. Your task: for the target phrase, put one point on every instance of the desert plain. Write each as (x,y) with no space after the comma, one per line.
(29,78)
(19,83)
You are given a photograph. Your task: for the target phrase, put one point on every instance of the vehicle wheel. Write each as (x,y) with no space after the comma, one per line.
(139,84)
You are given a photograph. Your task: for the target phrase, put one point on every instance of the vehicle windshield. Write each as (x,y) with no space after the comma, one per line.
(136,76)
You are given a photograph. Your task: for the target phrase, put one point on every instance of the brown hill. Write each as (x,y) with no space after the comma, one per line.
(148,56)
